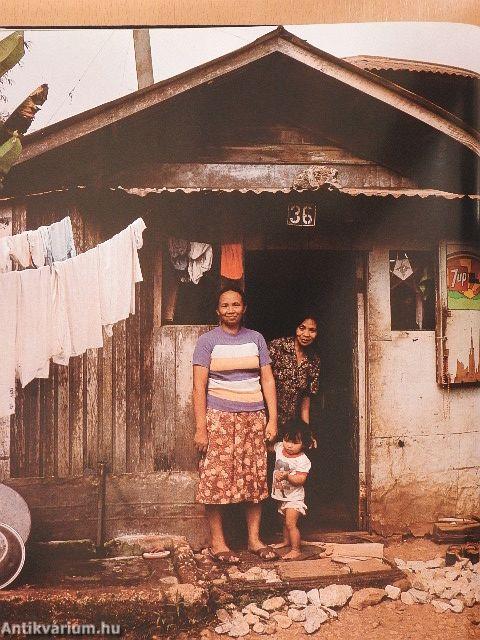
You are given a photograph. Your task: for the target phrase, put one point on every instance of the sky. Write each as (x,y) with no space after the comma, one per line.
(87,67)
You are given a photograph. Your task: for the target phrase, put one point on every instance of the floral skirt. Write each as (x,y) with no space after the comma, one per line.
(234,468)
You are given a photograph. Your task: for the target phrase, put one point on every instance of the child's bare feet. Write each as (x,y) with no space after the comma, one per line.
(280,545)
(292,555)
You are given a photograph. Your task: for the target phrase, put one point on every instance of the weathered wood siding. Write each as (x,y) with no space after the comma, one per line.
(99,408)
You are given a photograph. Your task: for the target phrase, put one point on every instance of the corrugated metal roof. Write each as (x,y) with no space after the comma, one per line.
(372,63)
(351,191)
(365,191)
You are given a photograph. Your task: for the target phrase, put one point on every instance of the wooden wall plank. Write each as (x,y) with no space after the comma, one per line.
(5,422)
(32,431)
(164,405)
(147,451)
(48,440)
(185,454)
(62,424)
(133,389)
(76,374)
(119,398)
(105,381)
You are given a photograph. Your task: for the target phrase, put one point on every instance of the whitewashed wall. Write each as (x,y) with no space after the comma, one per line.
(424,439)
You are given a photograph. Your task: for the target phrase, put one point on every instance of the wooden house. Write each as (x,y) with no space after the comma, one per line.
(333,174)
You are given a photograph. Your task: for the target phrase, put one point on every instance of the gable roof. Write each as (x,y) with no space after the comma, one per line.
(278,41)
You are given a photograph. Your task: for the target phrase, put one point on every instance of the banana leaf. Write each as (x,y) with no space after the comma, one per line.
(21,119)
(12,49)
(9,153)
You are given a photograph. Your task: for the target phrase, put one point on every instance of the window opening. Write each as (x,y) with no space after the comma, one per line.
(412,290)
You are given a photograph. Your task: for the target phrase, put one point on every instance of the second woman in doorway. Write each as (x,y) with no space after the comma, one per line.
(296,368)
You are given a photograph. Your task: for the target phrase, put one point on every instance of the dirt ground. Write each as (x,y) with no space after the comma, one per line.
(388,620)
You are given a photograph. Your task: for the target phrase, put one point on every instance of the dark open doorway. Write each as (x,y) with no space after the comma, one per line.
(278,285)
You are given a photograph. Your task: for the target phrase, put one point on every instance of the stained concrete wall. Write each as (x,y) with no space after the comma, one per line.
(424,439)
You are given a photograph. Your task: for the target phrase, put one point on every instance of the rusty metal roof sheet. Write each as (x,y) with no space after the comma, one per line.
(380,63)
(351,191)
(365,191)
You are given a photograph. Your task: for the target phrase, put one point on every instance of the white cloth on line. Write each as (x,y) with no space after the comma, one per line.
(119,270)
(34,324)
(5,261)
(61,240)
(37,248)
(199,260)
(20,249)
(9,289)
(77,303)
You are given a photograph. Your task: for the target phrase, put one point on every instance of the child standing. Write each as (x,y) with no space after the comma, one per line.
(289,476)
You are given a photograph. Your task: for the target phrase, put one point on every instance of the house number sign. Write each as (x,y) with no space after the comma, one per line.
(302,215)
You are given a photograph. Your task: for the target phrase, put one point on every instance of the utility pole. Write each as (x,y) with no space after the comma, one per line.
(143,57)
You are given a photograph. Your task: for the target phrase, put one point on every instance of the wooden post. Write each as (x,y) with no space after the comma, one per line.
(143,57)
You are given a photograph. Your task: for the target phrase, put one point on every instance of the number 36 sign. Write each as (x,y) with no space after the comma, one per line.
(302,215)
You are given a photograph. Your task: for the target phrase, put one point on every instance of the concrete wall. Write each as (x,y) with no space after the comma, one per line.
(424,439)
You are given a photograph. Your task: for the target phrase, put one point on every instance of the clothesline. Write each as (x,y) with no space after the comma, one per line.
(59,311)
(38,247)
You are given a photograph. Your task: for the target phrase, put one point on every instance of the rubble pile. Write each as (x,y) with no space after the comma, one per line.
(431,582)
(445,588)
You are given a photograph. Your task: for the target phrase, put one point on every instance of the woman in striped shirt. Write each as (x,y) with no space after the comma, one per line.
(232,383)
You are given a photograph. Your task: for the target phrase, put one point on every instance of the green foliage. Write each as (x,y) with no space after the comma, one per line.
(12,49)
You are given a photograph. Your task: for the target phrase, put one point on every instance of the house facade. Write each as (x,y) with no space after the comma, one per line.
(353,188)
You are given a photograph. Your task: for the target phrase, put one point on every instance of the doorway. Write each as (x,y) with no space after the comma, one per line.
(278,285)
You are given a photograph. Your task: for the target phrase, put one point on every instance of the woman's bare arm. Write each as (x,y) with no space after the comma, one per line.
(267,382)
(305,409)
(200,381)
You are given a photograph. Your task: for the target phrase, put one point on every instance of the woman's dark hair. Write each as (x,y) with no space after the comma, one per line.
(296,429)
(235,289)
(301,316)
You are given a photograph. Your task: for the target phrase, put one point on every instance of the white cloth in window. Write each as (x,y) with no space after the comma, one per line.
(199,260)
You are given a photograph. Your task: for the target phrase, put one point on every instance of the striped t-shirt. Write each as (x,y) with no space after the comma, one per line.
(234,363)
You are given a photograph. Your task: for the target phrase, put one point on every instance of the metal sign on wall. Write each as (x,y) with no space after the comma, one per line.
(458,332)
(302,215)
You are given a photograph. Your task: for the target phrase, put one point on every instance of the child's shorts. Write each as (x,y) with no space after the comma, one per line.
(301,507)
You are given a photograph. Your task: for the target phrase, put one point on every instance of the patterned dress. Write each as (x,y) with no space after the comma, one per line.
(234,468)
(292,380)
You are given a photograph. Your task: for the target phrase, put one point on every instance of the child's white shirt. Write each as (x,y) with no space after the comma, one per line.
(284,490)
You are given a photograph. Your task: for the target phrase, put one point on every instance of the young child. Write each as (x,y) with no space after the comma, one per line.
(289,476)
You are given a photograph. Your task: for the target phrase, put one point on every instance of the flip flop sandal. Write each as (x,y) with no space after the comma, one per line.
(471,552)
(265,553)
(453,554)
(224,557)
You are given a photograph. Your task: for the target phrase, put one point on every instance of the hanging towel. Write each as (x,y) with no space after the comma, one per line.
(5,261)
(78,293)
(199,260)
(231,262)
(119,270)
(9,288)
(20,249)
(34,324)
(37,248)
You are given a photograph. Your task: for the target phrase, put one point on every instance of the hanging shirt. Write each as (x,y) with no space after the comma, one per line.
(283,489)
(9,289)
(37,248)
(77,302)
(199,260)
(119,270)
(231,262)
(5,261)
(34,324)
(234,363)
(58,241)
(20,249)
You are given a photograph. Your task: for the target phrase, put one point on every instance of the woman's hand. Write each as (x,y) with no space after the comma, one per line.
(271,431)
(201,441)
